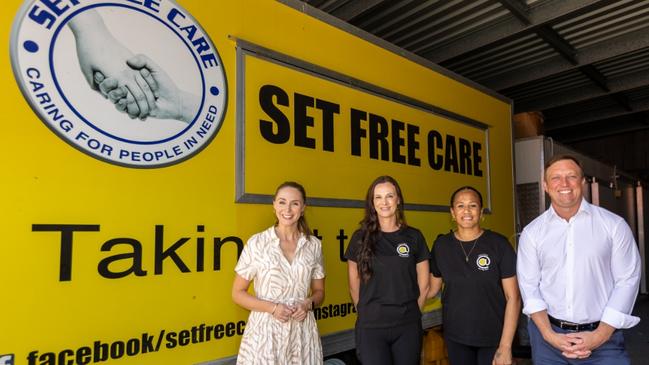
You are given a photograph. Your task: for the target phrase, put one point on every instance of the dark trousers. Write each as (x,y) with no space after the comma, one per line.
(461,354)
(399,345)
(612,352)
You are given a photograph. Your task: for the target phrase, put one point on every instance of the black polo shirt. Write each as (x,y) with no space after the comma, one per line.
(389,297)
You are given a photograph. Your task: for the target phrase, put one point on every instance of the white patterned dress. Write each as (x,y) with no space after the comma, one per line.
(266,340)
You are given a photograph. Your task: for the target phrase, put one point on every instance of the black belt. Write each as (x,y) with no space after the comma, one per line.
(571,326)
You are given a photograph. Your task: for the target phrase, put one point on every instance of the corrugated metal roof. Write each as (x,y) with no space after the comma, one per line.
(568,59)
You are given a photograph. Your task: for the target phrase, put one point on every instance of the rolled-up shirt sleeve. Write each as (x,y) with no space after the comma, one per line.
(528,271)
(626,270)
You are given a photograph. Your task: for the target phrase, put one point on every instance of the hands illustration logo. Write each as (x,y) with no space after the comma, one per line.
(134,83)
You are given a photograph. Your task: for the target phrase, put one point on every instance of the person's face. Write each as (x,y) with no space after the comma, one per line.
(564,182)
(466,209)
(289,206)
(386,200)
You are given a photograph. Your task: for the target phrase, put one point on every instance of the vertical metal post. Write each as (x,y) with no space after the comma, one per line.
(641,238)
(594,192)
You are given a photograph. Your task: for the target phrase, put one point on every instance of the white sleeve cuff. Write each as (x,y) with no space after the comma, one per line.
(533,306)
(618,319)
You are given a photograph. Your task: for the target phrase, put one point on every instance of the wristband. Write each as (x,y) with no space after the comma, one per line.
(274,308)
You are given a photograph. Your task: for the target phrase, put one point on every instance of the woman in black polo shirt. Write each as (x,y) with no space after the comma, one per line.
(388,279)
(480,300)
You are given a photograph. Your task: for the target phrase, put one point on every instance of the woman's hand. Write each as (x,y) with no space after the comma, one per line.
(302,309)
(282,312)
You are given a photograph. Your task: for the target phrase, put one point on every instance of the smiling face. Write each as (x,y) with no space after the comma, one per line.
(466,209)
(386,200)
(289,206)
(564,182)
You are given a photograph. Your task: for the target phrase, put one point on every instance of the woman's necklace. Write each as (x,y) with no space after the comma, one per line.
(466,255)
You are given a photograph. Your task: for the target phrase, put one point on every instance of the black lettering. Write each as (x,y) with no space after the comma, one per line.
(435,160)
(63,357)
(117,350)
(413,145)
(328,111)
(67,230)
(219,330)
(266,94)
(357,131)
(135,257)
(477,159)
(303,121)
(341,238)
(147,343)
(398,141)
(200,250)
(100,352)
(184,337)
(230,329)
(83,355)
(450,155)
(218,244)
(161,255)
(133,347)
(379,138)
(171,340)
(465,157)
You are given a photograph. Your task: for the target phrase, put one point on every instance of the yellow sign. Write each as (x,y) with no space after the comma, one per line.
(122,225)
(331,128)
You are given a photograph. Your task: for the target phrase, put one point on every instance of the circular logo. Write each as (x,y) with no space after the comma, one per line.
(483,262)
(403,250)
(137,84)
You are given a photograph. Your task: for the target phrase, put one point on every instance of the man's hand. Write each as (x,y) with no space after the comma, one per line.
(588,341)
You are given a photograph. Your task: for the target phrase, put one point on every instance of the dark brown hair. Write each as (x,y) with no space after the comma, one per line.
(302,225)
(557,158)
(466,187)
(370,227)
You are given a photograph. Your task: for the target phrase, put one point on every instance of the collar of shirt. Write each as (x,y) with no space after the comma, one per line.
(584,208)
(276,241)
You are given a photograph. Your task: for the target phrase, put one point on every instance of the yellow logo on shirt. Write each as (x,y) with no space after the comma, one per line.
(483,262)
(403,250)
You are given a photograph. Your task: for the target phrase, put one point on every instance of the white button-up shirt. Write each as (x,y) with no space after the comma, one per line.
(583,270)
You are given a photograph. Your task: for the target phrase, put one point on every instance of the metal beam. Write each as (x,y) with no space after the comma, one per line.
(352,9)
(596,133)
(558,43)
(595,116)
(518,9)
(595,76)
(547,13)
(571,96)
(611,48)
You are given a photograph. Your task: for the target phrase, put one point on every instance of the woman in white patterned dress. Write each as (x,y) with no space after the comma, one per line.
(285,262)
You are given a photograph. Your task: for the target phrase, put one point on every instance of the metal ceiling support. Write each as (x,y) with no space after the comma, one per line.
(624,101)
(353,9)
(591,72)
(315,3)
(558,43)
(518,9)
(596,115)
(612,129)
(605,50)
(574,95)
(546,13)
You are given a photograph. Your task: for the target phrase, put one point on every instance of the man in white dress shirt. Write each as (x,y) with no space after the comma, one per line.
(579,270)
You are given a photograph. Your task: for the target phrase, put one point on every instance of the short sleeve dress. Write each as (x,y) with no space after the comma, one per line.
(266,340)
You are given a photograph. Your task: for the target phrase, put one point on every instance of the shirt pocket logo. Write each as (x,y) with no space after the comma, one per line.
(403,250)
